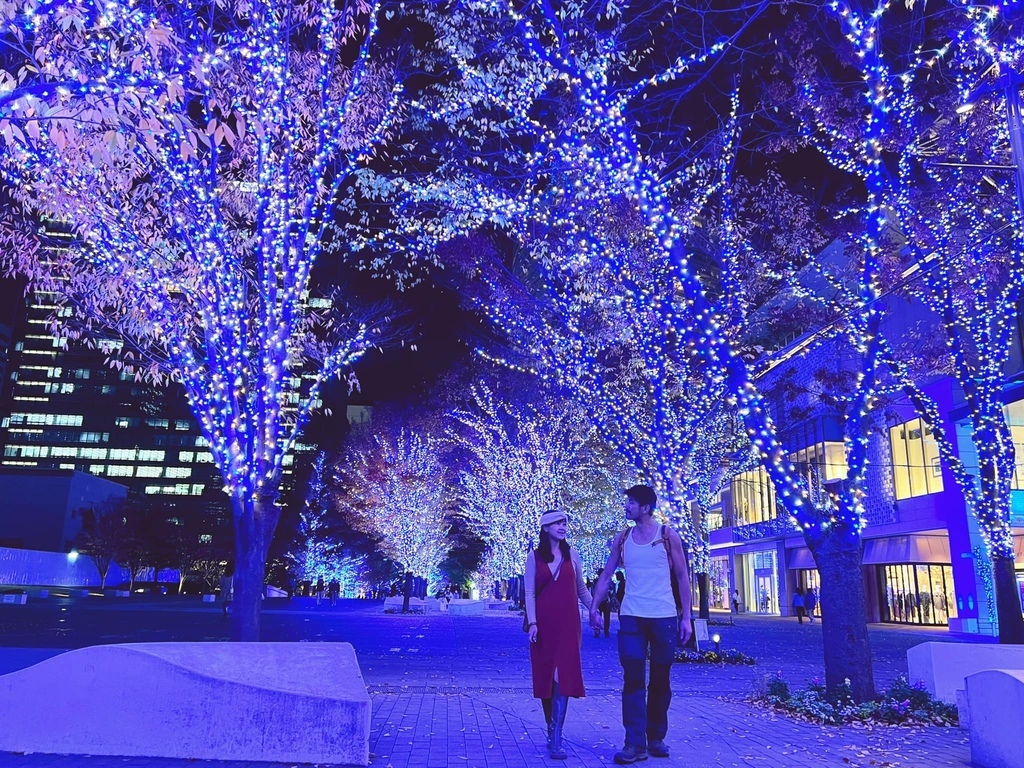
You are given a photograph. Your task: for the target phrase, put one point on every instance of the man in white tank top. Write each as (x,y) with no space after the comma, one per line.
(649,619)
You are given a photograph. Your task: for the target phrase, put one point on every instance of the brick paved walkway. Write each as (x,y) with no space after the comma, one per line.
(455,691)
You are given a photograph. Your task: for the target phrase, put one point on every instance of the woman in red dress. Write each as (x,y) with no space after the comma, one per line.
(554,583)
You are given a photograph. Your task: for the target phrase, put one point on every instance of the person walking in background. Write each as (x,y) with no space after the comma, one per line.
(319,589)
(735,601)
(608,604)
(810,603)
(554,586)
(651,621)
(333,589)
(620,588)
(227,589)
(798,604)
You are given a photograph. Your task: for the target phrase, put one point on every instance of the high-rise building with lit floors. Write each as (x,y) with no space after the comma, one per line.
(64,407)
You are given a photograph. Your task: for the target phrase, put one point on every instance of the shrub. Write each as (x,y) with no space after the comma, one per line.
(685,656)
(900,704)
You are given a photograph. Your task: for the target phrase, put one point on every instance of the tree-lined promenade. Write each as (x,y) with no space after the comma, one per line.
(630,212)
(432,708)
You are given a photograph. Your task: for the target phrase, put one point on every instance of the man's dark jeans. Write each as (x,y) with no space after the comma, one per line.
(645,706)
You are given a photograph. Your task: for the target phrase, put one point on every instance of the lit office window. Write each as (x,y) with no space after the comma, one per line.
(151,455)
(186,457)
(120,470)
(916,467)
(123,454)
(178,473)
(753,497)
(149,472)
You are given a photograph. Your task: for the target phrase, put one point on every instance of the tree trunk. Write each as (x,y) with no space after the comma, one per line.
(1007,594)
(255,522)
(843,603)
(103,570)
(704,599)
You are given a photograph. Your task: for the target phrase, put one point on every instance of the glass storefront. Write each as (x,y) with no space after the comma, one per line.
(718,583)
(761,582)
(917,594)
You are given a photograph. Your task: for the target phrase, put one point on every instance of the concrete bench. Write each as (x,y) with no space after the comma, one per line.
(276,702)
(944,666)
(432,605)
(396,603)
(466,608)
(996,701)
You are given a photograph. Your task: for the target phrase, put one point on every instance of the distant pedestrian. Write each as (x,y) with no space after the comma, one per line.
(798,605)
(811,603)
(332,589)
(554,584)
(608,604)
(319,589)
(227,589)
(735,601)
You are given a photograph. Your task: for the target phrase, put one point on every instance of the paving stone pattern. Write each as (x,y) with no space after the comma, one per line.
(456,691)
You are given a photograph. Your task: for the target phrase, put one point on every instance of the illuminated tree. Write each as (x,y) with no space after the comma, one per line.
(197,157)
(318,552)
(616,309)
(397,490)
(525,458)
(960,206)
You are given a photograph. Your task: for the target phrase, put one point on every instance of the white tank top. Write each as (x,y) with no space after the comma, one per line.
(648,583)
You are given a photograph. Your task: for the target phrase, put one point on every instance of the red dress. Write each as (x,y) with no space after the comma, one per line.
(559,634)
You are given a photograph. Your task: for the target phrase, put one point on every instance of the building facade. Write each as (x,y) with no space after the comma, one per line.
(924,560)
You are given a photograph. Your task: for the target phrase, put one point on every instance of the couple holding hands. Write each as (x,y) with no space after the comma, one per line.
(654,616)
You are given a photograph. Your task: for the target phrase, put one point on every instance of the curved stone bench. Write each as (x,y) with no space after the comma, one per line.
(996,699)
(280,702)
(943,667)
(466,608)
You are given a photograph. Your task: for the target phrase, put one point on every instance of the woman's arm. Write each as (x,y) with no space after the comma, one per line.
(581,585)
(530,577)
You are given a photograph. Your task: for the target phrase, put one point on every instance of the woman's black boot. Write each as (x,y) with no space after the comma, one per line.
(559,704)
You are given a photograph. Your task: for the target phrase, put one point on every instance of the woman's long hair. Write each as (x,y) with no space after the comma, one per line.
(544,547)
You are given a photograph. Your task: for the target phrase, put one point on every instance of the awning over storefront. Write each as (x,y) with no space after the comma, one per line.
(801,559)
(907,549)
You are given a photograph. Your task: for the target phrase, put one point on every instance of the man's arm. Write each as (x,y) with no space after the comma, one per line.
(683,581)
(603,582)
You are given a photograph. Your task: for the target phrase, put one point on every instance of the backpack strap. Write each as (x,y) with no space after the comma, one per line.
(622,546)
